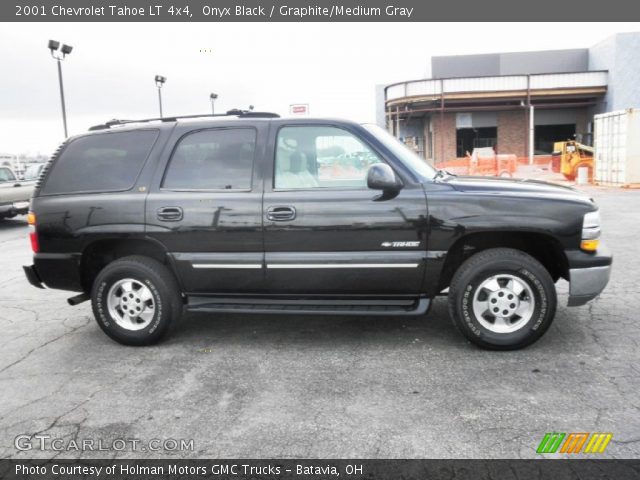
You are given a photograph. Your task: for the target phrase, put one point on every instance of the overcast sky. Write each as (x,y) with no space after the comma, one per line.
(332,67)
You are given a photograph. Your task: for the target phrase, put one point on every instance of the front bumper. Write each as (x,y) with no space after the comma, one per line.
(588,274)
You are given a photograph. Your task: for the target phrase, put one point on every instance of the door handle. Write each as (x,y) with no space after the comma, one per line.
(169,214)
(281,213)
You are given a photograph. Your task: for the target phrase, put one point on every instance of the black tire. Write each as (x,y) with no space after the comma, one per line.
(166,299)
(498,261)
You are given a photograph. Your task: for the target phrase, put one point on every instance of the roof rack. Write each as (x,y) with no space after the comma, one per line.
(230,113)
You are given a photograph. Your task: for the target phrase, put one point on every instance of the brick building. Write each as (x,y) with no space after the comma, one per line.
(518,103)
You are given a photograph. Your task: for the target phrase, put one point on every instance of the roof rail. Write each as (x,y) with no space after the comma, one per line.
(230,113)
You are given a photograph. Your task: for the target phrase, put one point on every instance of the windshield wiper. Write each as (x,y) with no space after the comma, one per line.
(442,173)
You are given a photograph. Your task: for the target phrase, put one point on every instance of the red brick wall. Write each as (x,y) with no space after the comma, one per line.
(513,132)
(444,136)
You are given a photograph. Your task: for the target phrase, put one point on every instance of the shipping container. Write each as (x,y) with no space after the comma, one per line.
(617,148)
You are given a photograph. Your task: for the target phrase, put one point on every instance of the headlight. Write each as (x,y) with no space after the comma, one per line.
(590,231)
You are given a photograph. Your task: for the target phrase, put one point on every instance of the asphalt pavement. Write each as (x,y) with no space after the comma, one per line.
(239,386)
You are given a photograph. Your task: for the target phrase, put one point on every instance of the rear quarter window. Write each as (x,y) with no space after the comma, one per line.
(106,162)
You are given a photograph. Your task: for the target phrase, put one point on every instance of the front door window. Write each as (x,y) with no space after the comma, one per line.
(321,157)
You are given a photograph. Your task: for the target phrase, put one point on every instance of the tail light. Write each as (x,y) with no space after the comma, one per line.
(33,233)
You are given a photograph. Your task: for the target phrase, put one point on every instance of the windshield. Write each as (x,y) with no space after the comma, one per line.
(411,159)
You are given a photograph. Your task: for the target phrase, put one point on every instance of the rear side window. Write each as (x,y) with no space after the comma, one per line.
(106,162)
(220,159)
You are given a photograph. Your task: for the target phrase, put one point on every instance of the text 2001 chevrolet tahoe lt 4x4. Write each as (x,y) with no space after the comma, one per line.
(252,213)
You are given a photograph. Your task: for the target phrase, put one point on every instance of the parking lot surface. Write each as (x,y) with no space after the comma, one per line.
(337,387)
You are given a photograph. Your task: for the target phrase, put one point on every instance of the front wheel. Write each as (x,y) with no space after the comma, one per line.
(136,300)
(502,299)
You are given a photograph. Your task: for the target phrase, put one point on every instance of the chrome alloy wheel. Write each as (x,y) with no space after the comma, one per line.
(503,303)
(131,304)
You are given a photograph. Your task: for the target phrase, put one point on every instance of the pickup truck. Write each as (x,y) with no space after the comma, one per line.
(246,212)
(14,194)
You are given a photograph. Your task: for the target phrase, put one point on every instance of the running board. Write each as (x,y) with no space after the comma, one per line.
(309,306)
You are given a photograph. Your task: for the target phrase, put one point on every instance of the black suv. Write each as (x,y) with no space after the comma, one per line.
(252,213)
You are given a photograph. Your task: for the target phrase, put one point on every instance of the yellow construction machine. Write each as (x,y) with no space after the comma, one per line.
(568,156)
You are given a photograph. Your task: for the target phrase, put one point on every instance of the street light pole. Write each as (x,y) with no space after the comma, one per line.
(64,51)
(213,97)
(159,83)
(64,109)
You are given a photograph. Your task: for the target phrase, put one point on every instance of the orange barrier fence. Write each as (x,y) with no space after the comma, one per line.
(497,166)
(540,160)
(502,165)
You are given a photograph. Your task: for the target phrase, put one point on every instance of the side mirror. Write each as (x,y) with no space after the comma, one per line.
(381,177)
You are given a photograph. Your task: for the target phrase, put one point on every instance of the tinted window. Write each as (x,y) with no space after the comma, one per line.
(321,157)
(101,163)
(6,175)
(219,159)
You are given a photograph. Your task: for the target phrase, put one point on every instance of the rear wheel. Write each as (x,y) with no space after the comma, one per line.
(502,299)
(136,300)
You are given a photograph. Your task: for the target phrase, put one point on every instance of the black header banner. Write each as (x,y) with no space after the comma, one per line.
(314,10)
(266,469)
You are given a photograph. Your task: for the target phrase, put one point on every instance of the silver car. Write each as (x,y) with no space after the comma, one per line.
(14,194)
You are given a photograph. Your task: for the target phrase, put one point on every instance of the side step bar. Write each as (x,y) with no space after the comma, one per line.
(309,306)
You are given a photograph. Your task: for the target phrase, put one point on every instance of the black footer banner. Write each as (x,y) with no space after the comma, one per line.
(266,469)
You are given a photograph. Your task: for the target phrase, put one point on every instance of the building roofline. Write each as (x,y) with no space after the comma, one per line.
(489,76)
